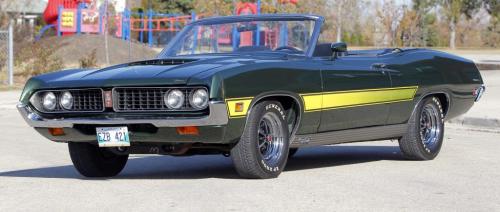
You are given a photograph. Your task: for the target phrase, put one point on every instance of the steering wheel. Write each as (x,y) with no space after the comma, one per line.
(291,48)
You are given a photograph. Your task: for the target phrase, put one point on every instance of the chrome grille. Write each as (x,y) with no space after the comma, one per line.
(87,100)
(84,100)
(146,99)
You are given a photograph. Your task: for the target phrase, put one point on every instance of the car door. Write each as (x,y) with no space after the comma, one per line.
(354,91)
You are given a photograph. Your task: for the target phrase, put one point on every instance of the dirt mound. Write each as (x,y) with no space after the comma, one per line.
(75,47)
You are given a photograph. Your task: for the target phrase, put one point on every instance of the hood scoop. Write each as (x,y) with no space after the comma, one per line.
(162,62)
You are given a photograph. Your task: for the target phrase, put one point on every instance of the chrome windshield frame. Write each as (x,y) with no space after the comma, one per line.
(318,22)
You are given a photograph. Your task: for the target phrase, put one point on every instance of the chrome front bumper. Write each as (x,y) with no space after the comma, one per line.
(218,116)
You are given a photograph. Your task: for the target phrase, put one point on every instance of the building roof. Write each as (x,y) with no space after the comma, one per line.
(23,6)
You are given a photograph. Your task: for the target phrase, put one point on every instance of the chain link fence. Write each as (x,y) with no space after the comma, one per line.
(4,53)
(6,56)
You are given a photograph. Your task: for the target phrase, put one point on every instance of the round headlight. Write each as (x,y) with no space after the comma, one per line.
(174,99)
(199,99)
(67,100)
(49,101)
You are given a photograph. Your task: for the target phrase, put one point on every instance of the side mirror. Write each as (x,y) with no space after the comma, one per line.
(338,49)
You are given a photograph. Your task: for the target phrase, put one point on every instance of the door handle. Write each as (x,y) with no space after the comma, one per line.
(380,67)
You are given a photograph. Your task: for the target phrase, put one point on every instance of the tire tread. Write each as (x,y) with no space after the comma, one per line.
(410,144)
(243,155)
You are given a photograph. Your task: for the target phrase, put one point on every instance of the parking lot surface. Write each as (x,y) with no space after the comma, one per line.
(37,175)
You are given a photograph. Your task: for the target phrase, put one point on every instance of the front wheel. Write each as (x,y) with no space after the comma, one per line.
(424,137)
(262,151)
(92,161)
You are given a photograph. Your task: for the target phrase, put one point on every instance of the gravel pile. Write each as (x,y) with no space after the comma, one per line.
(74,47)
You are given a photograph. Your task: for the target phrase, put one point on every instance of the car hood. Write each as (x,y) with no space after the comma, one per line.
(168,71)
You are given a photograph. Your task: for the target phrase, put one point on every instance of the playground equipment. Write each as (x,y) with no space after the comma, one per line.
(52,12)
(151,23)
(68,17)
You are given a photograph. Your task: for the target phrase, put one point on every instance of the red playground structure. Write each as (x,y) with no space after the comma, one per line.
(70,17)
(51,13)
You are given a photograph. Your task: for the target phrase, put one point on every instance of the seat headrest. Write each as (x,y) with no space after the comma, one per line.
(323,50)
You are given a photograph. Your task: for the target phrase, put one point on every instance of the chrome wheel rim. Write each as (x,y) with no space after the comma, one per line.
(271,139)
(430,127)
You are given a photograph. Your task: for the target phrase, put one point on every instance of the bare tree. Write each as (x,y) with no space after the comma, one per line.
(453,11)
(341,16)
(389,15)
(344,10)
(409,27)
(11,10)
(4,15)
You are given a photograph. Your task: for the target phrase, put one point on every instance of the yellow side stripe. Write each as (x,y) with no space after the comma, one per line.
(357,98)
(336,100)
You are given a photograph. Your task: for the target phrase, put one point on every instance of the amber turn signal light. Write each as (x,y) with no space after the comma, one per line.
(187,131)
(56,131)
(239,107)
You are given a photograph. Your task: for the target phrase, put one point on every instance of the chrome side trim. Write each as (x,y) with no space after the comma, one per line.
(350,135)
(218,116)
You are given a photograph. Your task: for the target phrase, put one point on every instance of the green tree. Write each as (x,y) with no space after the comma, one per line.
(431,36)
(422,8)
(453,11)
(169,6)
(214,7)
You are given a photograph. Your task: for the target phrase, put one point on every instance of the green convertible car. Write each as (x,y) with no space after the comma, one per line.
(255,88)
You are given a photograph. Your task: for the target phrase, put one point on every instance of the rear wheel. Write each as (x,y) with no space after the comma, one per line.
(92,161)
(424,138)
(263,148)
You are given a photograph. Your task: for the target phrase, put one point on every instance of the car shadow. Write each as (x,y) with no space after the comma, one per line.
(328,156)
(215,166)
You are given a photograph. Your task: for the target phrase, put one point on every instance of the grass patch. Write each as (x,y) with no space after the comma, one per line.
(10,88)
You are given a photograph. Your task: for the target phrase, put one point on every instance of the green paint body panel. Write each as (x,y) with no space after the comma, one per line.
(353,73)
(270,75)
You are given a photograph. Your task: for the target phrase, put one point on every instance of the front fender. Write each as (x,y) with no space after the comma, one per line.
(250,84)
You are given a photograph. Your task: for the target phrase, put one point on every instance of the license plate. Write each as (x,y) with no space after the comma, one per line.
(112,136)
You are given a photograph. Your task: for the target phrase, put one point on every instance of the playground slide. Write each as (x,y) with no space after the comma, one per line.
(51,11)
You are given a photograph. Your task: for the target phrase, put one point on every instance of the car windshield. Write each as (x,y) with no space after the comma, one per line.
(243,36)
